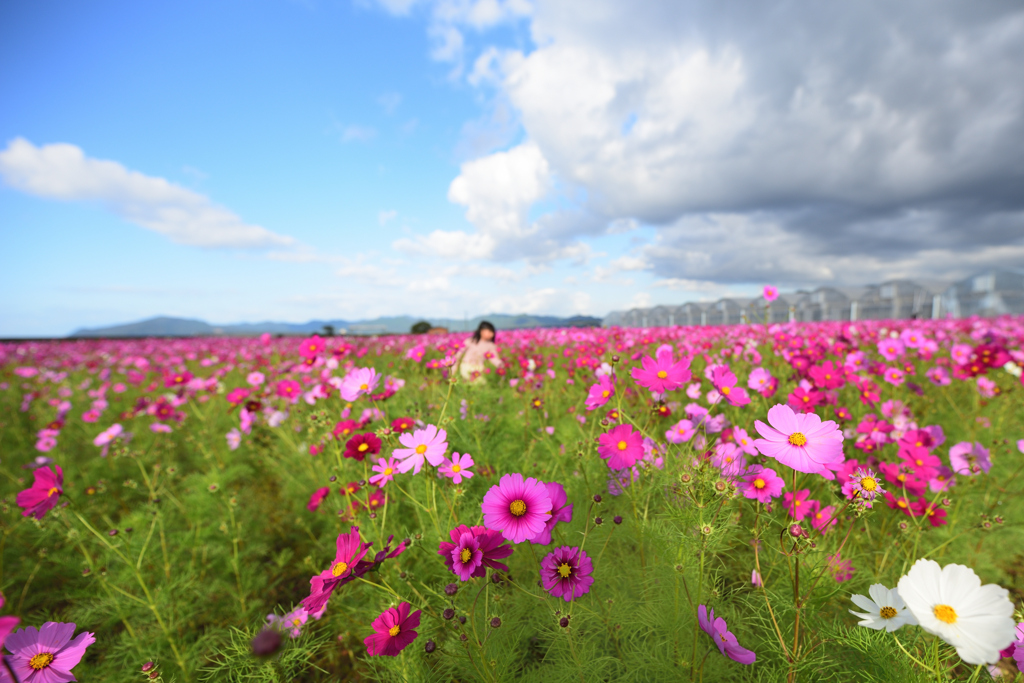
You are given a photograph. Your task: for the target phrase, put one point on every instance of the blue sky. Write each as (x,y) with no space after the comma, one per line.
(289,160)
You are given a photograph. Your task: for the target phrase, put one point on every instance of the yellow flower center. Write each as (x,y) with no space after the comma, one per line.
(465,556)
(52,491)
(517,507)
(797,439)
(623,445)
(796,503)
(456,468)
(726,390)
(662,374)
(388,471)
(887,612)
(919,462)
(869,484)
(338,569)
(564,570)
(604,394)
(41,660)
(364,387)
(759,483)
(945,614)
(421,449)
(297,622)
(363,447)
(393,631)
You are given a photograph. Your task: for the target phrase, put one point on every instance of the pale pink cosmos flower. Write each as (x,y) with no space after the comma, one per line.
(986,387)
(891,349)
(939,376)
(680,432)
(759,379)
(427,444)
(108,435)
(961,353)
(255,379)
(969,459)
(458,467)
(893,376)
(234,438)
(729,459)
(160,428)
(358,382)
(743,440)
(801,441)
(385,470)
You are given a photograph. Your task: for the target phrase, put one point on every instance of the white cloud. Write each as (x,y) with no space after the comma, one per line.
(354,133)
(63,172)
(385,217)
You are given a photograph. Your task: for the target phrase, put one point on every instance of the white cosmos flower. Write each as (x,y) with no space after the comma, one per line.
(951,603)
(885,609)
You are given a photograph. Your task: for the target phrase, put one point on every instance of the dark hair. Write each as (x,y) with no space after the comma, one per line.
(484,325)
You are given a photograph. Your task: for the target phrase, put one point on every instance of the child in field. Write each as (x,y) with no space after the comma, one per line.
(477,350)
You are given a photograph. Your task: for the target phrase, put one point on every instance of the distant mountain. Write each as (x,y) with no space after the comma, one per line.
(182,327)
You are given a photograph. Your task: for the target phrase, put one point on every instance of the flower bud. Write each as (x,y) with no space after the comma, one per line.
(429,647)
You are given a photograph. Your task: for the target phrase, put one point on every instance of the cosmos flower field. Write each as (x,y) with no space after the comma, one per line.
(800,502)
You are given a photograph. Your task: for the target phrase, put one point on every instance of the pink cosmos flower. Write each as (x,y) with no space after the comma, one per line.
(770,293)
(108,435)
(312,347)
(317,498)
(458,467)
(427,444)
(729,459)
(358,382)
(761,484)
(45,444)
(47,655)
(160,428)
(516,507)
(566,573)
(961,353)
(492,547)
(620,446)
(234,438)
(662,375)
(600,393)
(822,519)
(802,442)
(385,470)
(362,445)
(289,389)
(466,556)
(891,349)
(350,550)
(255,379)
(760,380)
(938,375)
(727,644)
(290,623)
(969,459)
(393,631)
(841,570)
(680,432)
(560,512)
(828,375)
(986,387)
(743,441)
(725,382)
(894,376)
(44,493)
(797,504)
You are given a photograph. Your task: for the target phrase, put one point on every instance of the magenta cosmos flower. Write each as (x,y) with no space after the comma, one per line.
(600,393)
(621,447)
(566,573)
(350,550)
(560,512)
(725,381)
(662,375)
(317,498)
(801,441)
(47,655)
(726,641)
(770,293)
(518,508)
(473,550)
(429,443)
(761,484)
(44,493)
(394,631)
(457,468)
(358,382)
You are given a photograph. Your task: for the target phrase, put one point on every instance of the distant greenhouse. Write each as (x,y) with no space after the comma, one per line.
(992,293)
